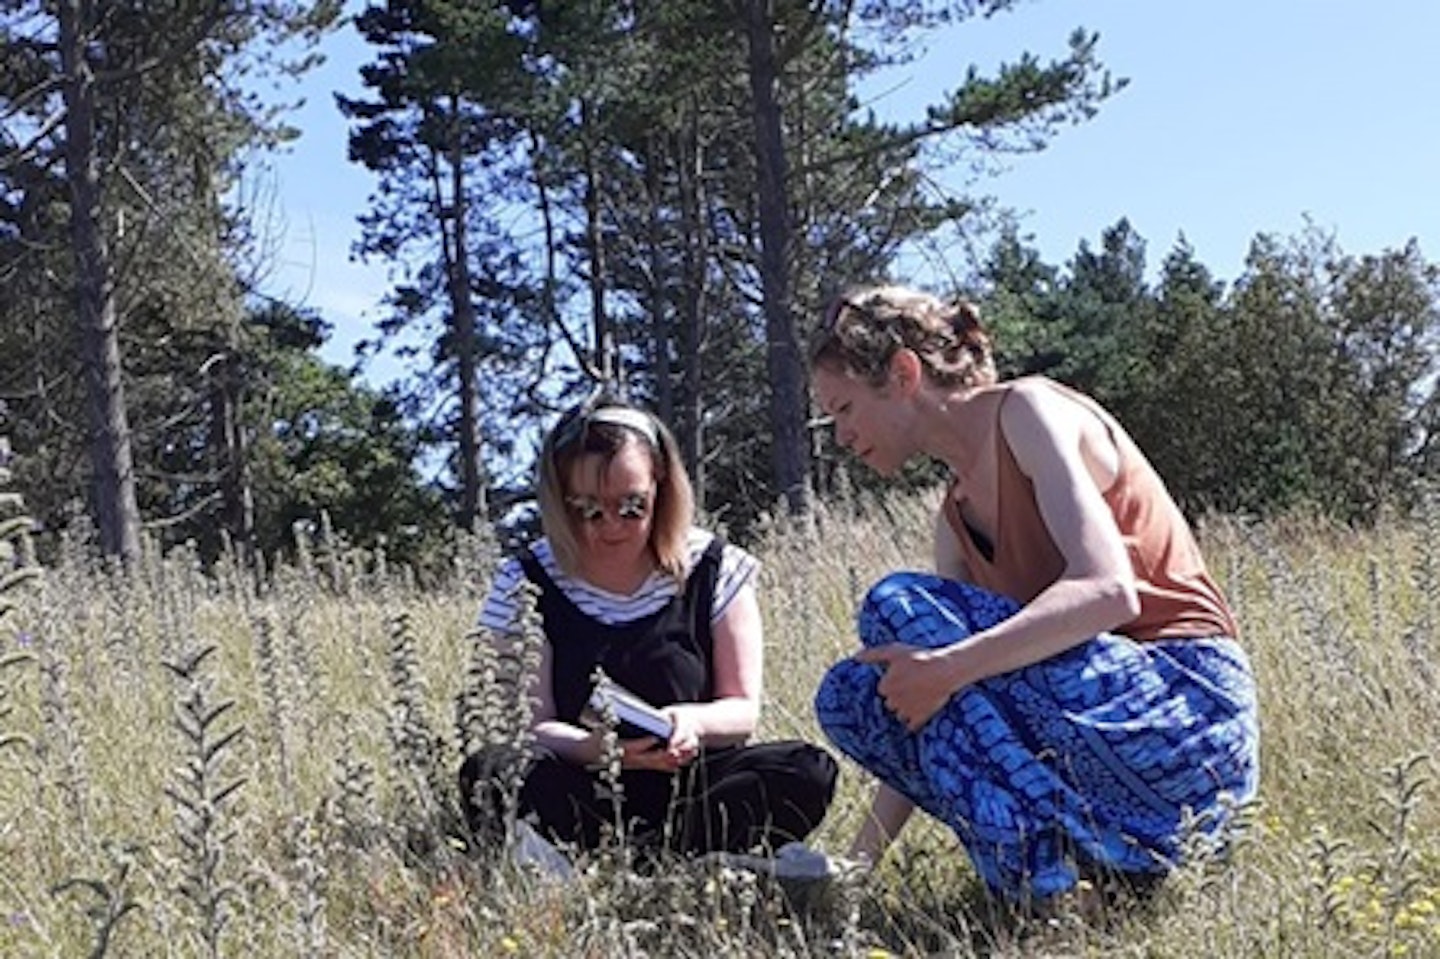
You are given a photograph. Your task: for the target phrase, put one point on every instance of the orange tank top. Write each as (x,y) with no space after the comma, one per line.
(1177,596)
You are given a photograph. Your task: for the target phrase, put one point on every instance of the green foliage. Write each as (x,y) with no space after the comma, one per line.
(1311,382)
(327,444)
(133,264)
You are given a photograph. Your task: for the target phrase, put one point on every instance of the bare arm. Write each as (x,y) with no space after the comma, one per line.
(1070,458)
(569,741)
(738,664)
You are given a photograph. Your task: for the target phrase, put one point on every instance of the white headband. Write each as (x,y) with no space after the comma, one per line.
(637,420)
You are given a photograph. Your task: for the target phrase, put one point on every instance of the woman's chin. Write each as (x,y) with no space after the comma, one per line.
(879,464)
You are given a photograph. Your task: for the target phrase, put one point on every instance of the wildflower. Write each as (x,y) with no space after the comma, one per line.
(24,638)
(509,944)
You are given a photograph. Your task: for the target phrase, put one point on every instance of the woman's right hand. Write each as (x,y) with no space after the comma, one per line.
(642,752)
(648,752)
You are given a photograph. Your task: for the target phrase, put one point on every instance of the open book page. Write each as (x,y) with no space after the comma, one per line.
(628,709)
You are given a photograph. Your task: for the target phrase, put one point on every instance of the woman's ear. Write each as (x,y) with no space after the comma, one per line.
(906,371)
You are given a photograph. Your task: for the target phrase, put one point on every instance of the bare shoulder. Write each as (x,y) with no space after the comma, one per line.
(1033,411)
(1047,427)
(1036,395)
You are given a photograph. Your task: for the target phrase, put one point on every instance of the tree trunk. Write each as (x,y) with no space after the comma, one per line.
(692,300)
(656,292)
(606,349)
(790,448)
(473,506)
(116,511)
(228,439)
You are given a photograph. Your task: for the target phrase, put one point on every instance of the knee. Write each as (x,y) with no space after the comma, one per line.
(492,776)
(921,609)
(843,694)
(494,766)
(890,601)
(815,772)
(481,791)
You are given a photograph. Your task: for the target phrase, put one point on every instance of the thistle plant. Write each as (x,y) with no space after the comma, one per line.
(277,701)
(300,532)
(610,763)
(353,802)
(1330,883)
(15,585)
(1426,573)
(204,795)
(298,654)
(494,708)
(1399,878)
(310,885)
(60,749)
(481,705)
(9,662)
(1210,845)
(333,548)
(108,900)
(419,750)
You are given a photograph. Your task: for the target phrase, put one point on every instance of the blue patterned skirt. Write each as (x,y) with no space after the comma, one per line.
(1091,758)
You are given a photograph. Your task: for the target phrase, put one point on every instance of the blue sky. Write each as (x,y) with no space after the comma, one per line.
(1241,117)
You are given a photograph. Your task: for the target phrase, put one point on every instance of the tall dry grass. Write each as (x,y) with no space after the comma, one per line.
(194,766)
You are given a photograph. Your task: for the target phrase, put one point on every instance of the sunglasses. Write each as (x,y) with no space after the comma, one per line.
(828,332)
(631,507)
(837,309)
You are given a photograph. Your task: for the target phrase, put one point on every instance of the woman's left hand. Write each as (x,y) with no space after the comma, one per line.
(684,744)
(913,684)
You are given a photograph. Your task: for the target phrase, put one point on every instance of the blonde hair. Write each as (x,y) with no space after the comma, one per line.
(865,327)
(603,428)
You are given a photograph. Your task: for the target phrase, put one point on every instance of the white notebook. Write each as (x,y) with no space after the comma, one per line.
(629,708)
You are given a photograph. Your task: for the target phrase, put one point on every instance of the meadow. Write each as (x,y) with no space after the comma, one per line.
(194,765)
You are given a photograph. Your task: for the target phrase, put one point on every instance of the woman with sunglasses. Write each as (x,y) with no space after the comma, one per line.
(1066,691)
(628,584)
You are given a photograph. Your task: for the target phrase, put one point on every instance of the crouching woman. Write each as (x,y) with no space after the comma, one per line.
(1067,690)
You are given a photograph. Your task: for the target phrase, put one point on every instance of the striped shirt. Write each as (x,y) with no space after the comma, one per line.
(737,567)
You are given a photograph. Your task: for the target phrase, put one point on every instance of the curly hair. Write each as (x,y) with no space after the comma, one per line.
(865,327)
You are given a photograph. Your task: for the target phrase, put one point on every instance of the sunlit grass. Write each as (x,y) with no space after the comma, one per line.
(341,837)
